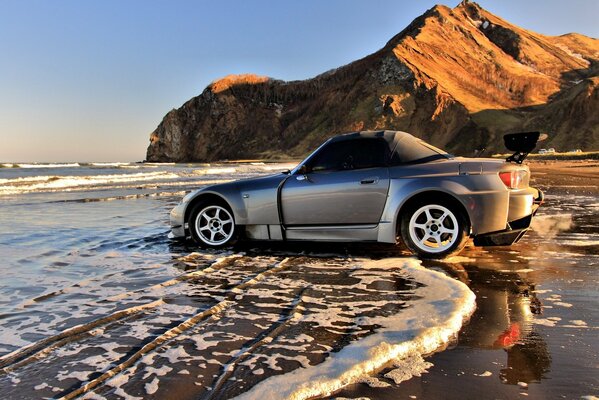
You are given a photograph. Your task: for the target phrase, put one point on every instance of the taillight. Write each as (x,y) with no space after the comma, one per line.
(515,179)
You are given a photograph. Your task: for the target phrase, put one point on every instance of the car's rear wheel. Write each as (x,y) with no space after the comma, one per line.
(212,225)
(434,230)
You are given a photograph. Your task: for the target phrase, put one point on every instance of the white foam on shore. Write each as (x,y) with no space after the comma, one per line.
(109,164)
(413,365)
(152,387)
(373,382)
(431,321)
(159,163)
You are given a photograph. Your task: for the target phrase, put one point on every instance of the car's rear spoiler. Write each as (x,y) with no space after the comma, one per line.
(521,143)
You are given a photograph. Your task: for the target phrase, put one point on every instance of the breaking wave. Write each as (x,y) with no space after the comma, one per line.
(42,165)
(109,164)
(48,183)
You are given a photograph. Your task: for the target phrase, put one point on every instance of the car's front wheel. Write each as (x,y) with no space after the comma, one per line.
(212,225)
(434,230)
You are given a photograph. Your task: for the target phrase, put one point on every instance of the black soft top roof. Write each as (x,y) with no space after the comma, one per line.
(391,137)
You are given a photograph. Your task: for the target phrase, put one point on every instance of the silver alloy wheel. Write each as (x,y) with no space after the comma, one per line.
(433,228)
(214,225)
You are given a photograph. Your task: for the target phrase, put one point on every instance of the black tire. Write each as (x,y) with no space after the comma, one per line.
(224,233)
(440,233)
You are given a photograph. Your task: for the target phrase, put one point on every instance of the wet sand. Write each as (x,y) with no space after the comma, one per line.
(564,177)
(120,312)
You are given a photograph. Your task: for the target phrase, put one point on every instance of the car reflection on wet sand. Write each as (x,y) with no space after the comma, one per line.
(506,307)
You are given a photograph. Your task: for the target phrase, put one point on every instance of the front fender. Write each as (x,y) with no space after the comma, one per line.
(253,201)
(227,193)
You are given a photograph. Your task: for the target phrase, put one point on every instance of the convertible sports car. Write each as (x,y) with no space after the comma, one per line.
(381,186)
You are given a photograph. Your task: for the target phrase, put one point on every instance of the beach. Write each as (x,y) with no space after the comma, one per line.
(97,302)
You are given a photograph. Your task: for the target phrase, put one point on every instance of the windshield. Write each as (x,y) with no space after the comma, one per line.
(305,160)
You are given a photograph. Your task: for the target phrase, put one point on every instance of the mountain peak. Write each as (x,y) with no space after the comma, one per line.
(485,62)
(464,4)
(457,77)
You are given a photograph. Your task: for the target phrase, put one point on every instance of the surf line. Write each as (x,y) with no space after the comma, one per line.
(11,361)
(174,332)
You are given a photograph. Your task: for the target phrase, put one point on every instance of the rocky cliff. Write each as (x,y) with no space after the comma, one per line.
(458,78)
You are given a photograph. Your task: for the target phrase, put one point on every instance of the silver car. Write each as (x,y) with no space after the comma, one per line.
(381,186)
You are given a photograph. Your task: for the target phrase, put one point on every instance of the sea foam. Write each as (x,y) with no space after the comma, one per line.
(49,165)
(432,321)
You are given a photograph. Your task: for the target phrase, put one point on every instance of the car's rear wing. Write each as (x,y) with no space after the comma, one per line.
(521,143)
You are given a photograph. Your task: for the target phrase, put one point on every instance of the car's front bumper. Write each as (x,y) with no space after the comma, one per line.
(515,228)
(177,219)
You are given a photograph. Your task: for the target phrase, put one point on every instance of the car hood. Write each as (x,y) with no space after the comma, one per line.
(245,184)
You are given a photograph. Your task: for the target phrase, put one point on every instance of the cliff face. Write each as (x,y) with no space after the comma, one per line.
(458,78)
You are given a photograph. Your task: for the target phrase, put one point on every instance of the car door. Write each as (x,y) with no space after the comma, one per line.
(345,183)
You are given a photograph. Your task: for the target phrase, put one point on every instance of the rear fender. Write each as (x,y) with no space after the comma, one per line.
(486,210)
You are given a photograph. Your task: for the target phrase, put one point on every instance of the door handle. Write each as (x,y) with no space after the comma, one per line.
(369,181)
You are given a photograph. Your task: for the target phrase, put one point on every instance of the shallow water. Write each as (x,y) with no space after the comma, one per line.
(99,295)
(534,332)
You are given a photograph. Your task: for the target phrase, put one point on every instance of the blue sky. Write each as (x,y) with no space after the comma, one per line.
(89,80)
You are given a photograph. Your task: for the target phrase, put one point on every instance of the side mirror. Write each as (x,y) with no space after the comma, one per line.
(302,173)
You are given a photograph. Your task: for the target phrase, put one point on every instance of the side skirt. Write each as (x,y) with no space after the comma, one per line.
(341,233)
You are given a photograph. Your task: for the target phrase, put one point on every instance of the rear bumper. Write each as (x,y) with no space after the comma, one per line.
(523,202)
(515,229)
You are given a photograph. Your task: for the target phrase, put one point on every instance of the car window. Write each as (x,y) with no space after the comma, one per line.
(410,150)
(351,154)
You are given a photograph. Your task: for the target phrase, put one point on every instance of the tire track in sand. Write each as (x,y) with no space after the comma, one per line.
(293,312)
(11,361)
(175,331)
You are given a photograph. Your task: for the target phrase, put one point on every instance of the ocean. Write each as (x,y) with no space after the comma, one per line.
(96,301)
